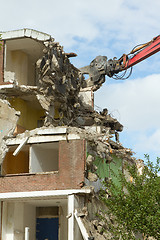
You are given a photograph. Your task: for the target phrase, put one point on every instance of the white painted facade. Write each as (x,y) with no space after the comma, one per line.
(19,212)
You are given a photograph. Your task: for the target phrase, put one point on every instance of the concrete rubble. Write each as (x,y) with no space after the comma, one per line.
(61,82)
(58,87)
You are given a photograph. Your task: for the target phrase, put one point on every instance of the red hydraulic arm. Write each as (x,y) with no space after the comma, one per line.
(140,53)
(101,66)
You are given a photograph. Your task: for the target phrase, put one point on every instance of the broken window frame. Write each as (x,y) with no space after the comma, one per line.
(30,159)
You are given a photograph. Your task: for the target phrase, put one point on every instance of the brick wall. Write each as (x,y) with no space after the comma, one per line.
(69,176)
(1,62)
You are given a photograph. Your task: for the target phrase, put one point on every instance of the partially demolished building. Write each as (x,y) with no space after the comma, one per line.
(54,148)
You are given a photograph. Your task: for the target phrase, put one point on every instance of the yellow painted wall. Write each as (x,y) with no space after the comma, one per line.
(56,113)
(29,115)
(20,66)
(17,164)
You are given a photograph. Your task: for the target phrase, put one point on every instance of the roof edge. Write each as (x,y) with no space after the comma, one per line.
(25,32)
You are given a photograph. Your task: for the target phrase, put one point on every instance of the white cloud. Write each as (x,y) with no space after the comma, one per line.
(118,20)
(137,102)
(149,143)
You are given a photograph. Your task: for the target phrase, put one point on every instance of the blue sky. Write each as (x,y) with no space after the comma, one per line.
(111,28)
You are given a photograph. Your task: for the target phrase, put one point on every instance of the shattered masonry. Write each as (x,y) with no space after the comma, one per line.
(49,110)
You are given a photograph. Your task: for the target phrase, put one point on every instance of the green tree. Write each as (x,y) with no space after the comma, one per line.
(136,205)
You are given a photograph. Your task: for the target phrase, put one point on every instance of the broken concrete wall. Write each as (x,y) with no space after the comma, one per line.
(95,226)
(8,122)
(86,95)
(59,80)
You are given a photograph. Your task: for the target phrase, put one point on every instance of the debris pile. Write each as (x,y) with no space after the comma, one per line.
(100,144)
(60,82)
(95,226)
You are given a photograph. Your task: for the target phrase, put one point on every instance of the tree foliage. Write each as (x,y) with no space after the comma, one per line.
(136,205)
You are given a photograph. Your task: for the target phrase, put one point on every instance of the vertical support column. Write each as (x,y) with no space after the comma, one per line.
(26,233)
(30,158)
(8,221)
(71,217)
(2,62)
(78,203)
